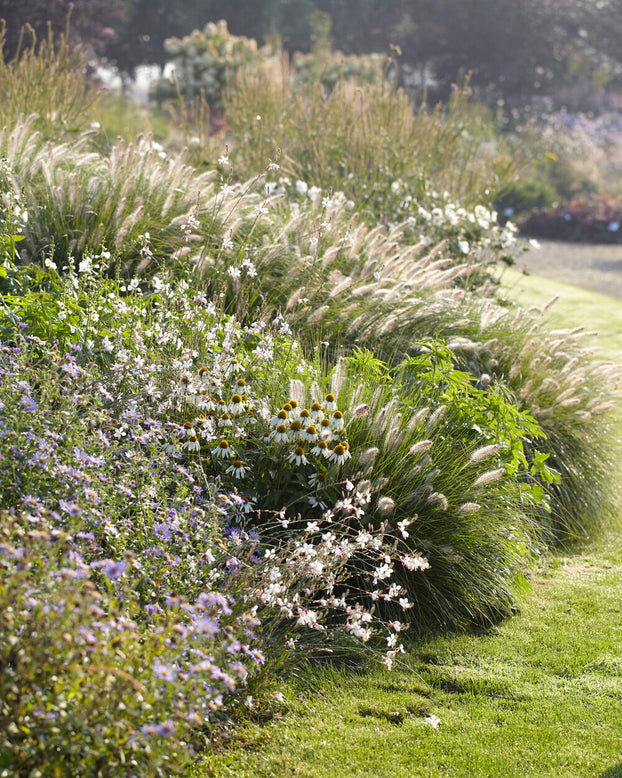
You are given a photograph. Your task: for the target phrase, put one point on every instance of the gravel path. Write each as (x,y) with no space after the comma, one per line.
(596,267)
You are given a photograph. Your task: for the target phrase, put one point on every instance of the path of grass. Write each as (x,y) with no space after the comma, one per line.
(540,695)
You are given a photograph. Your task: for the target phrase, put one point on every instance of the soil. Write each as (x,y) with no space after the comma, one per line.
(597,267)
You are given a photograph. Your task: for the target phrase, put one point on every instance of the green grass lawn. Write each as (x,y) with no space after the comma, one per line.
(538,695)
(575,307)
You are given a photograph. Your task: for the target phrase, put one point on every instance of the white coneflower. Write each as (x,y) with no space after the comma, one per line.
(385,506)
(280,434)
(295,430)
(469,507)
(281,417)
(192,443)
(298,456)
(336,420)
(483,453)
(293,409)
(187,429)
(330,403)
(237,469)
(170,445)
(224,450)
(340,454)
(321,447)
(316,479)
(489,477)
(236,406)
(316,412)
(325,429)
(420,446)
(310,433)
(225,421)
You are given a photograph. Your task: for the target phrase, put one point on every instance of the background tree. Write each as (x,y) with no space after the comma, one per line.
(92,22)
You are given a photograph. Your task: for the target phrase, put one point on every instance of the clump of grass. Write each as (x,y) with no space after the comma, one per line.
(47,80)
(361,139)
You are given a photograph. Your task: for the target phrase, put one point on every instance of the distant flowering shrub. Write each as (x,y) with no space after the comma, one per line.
(206,62)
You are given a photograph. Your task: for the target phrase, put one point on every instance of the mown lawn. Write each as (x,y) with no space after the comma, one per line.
(538,695)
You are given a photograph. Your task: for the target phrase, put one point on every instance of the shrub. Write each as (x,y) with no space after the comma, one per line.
(206,62)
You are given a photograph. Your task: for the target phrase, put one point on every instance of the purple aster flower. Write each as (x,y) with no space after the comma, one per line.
(28,404)
(208,626)
(113,570)
(165,672)
(73,370)
(70,507)
(162,531)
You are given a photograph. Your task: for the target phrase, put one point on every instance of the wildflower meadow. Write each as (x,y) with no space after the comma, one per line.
(263,404)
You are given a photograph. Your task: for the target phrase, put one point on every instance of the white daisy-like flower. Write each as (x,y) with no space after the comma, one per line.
(321,448)
(224,450)
(225,421)
(192,443)
(310,433)
(330,403)
(237,469)
(336,420)
(340,454)
(316,412)
(170,445)
(296,430)
(236,406)
(298,456)
(281,417)
(280,434)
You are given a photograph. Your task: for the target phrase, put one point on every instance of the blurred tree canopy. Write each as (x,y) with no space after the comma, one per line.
(514,48)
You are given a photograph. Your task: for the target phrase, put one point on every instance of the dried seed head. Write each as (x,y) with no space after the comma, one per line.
(368,457)
(419,447)
(385,507)
(483,453)
(469,507)
(489,477)
(435,418)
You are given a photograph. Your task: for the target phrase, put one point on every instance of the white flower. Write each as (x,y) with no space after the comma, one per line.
(301,187)
(415,563)
(224,450)
(298,456)
(339,454)
(432,721)
(192,443)
(237,469)
(463,245)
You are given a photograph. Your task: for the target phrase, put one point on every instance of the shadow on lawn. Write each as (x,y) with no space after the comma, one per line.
(613,772)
